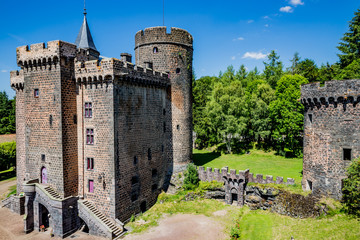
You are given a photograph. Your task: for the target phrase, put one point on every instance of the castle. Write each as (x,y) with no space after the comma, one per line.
(331,134)
(99,138)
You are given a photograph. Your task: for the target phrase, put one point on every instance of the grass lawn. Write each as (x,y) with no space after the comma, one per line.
(264,225)
(259,162)
(9,174)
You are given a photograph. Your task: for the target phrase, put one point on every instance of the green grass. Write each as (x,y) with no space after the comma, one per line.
(9,174)
(264,225)
(12,190)
(259,162)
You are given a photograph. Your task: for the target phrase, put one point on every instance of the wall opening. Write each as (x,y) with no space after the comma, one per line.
(347,154)
(135,160)
(44,175)
(178,71)
(143,206)
(310,118)
(43,217)
(155,50)
(309,185)
(83,226)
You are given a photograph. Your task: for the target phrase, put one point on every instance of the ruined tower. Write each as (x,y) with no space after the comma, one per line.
(172,53)
(331,134)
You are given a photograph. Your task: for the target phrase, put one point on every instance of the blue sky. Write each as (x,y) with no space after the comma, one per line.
(225,32)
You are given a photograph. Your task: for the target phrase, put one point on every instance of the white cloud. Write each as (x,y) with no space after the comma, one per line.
(255,55)
(239,39)
(250,21)
(266,17)
(233,58)
(3,71)
(287,9)
(266,25)
(296,2)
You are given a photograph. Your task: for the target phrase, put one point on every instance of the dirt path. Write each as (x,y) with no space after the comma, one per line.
(183,227)
(4,187)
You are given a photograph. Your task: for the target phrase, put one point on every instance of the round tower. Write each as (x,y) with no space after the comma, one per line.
(172,53)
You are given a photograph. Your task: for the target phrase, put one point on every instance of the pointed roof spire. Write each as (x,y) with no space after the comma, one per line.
(84,39)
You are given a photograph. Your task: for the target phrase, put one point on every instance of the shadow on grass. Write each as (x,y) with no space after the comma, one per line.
(203,158)
(7,175)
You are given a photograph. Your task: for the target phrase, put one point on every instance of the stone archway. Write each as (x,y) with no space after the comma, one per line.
(234,196)
(44,217)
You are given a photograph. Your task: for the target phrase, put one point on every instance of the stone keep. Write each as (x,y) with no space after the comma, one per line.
(99,138)
(172,52)
(331,134)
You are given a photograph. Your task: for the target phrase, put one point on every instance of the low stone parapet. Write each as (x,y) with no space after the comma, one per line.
(15,204)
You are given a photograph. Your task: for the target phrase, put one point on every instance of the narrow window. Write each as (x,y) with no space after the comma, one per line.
(149,154)
(155,50)
(164,127)
(310,118)
(51,120)
(164,111)
(135,160)
(309,185)
(162,148)
(346,154)
(91,186)
(88,110)
(134,180)
(178,127)
(90,163)
(154,173)
(75,119)
(89,136)
(43,157)
(178,71)
(134,197)
(36,92)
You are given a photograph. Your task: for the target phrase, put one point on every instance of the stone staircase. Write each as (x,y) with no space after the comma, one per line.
(52,192)
(117,232)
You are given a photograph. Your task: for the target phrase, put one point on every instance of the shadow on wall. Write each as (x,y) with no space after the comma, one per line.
(202,158)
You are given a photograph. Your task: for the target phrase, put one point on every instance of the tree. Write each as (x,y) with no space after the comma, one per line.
(228,112)
(351,189)
(350,42)
(294,64)
(273,69)
(7,114)
(286,113)
(308,69)
(191,180)
(352,71)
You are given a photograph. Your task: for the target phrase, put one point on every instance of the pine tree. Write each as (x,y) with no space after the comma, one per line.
(350,45)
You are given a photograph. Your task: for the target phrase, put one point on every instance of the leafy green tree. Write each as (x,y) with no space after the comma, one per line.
(308,69)
(7,155)
(273,69)
(191,180)
(7,114)
(352,71)
(286,113)
(350,42)
(202,89)
(328,72)
(228,112)
(294,64)
(351,189)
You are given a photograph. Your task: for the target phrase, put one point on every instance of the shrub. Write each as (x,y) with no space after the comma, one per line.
(191,180)
(351,189)
(7,155)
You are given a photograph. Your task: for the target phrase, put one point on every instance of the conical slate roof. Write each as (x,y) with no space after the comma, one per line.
(84,39)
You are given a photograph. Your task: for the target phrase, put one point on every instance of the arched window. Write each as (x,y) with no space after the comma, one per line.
(155,50)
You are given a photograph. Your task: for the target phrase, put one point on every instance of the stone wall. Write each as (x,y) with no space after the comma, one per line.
(217,175)
(172,53)
(15,204)
(331,134)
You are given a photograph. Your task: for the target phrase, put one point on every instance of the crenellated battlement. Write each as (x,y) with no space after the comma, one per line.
(110,68)
(241,176)
(17,79)
(159,35)
(42,54)
(333,92)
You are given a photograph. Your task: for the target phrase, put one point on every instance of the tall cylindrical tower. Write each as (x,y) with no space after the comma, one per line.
(172,52)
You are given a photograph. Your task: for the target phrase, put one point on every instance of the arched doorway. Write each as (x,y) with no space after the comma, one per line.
(83,226)
(43,175)
(43,217)
(234,196)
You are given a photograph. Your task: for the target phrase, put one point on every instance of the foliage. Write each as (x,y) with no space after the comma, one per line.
(286,113)
(191,180)
(273,69)
(7,114)
(351,189)
(350,42)
(352,71)
(308,69)
(12,190)
(7,155)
